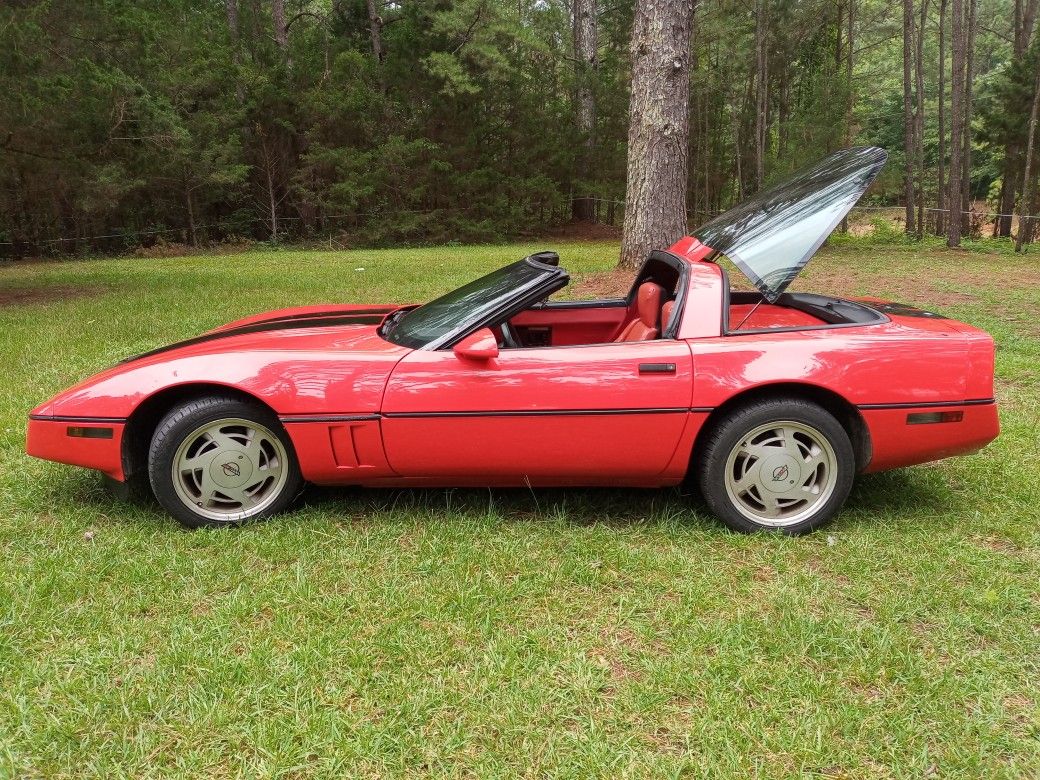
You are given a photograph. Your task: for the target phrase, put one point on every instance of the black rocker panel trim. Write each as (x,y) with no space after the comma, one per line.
(310,418)
(325,418)
(545,412)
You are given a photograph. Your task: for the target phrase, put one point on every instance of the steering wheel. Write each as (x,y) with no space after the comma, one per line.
(509,338)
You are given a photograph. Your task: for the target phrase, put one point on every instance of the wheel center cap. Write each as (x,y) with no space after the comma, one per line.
(780,473)
(231,469)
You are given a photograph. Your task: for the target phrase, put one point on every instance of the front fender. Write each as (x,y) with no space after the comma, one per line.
(288,382)
(85,425)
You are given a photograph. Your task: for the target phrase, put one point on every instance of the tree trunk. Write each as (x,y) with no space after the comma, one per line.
(189,202)
(272,203)
(969,76)
(268,159)
(849,93)
(908,114)
(919,119)
(761,91)
(658,133)
(1006,203)
(940,216)
(783,121)
(736,149)
(281,31)
(849,61)
(586,58)
(231,8)
(1025,228)
(953,196)
(1025,18)
(375,31)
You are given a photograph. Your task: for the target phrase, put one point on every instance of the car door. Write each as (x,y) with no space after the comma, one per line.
(593,414)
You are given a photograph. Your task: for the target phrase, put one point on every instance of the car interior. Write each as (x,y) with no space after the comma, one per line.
(648,312)
(645,313)
(749,312)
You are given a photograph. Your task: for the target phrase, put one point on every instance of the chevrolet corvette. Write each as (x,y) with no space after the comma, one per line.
(771,402)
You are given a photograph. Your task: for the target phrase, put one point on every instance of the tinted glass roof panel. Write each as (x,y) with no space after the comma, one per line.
(772,235)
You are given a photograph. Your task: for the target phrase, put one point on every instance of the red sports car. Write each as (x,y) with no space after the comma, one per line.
(770,401)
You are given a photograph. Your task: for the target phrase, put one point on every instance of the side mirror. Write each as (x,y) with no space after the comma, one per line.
(480,346)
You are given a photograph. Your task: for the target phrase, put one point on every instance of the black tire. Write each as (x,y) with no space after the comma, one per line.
(185,422)
(724,452)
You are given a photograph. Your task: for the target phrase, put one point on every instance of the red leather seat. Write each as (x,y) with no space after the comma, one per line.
(648,309)
(666,314)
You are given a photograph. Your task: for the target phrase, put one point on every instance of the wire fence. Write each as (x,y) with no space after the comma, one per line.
(971,212)
(232,225)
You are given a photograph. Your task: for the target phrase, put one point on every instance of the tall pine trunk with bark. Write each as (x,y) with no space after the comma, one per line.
(919,116)
(231,11)
(658,132)
(953,192)
(908,114)
(586,56)
(849,91)
(1025,226)
(1024,19)
(940,216)
(281,29)
(375,30)
(971,24)
(761,90)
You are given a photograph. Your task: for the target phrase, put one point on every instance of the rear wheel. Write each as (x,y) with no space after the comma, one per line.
(219,461)
(777,465)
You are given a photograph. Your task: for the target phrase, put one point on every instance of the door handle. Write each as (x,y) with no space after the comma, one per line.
(657,368)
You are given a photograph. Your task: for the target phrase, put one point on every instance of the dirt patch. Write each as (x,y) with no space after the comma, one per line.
(608,284)
(1020,710)
(933,278)
(928,272)
(24,296)
(997,544)
(923,291)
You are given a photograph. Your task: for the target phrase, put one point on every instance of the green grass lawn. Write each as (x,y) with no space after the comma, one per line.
(507,633)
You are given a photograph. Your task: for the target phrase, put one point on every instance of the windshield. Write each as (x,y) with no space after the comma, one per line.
(472,304)
(772,235)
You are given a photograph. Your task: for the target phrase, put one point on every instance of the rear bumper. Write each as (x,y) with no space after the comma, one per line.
(91,442)
(896,441)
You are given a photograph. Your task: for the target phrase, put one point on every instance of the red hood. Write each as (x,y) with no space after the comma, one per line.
(308,347)
(340,327)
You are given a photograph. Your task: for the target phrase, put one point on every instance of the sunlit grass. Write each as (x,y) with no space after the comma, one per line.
(510,633)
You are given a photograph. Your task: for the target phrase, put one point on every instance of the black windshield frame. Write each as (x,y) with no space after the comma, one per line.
(509,290)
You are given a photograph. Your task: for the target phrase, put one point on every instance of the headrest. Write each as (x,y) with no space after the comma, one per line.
(648,303)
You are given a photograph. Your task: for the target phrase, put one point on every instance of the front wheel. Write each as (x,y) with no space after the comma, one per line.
(778,465)
(219,461)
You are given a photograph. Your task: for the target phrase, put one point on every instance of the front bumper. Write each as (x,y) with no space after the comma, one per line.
(91,442)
